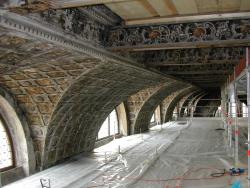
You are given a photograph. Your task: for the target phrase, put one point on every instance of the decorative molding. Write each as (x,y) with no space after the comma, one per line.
(188,18)
(221,33)
(187,56)
(76,23)
(102,14)
(27,26)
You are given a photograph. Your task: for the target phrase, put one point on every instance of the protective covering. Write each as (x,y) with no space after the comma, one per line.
(174,155)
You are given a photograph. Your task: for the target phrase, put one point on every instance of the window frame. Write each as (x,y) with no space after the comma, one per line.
(9,137)
(118,125)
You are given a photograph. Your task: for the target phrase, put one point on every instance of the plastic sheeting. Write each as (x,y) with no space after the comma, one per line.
(178,156)
(175,155)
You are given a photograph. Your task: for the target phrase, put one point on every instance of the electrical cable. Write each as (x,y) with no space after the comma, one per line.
(218,174)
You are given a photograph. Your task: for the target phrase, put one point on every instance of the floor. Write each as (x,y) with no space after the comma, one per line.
(180,154)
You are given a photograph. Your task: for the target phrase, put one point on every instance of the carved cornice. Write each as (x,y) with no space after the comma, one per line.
(214,33)
(74,22)
(102,14)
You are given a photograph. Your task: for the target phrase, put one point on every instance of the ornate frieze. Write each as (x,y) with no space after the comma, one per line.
(74,22)
(185,33)
(187,56)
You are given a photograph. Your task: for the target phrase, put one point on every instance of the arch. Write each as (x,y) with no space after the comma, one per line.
(23,150)
(85,105)
(135,102)
(207,108)
(192,102)
(143,118)
(65,95)
(110,127)
(182,101)
(196,102)
(173,103)
(186,102)
(6,147)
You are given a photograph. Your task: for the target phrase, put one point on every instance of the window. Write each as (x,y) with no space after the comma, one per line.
(109,127)
(6,155)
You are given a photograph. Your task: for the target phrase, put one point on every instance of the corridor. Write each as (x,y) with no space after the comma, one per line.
(177,154)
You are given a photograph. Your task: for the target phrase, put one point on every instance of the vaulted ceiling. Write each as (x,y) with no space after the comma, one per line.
(198,41)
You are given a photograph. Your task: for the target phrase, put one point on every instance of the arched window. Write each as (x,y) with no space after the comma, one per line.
(110,126)
(6,151)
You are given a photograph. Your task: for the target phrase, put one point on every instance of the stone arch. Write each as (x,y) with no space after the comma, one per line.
(135,102)
(186,102)
(183,100)
(193,103)
(165,104)
(20,135)
(207,108)
(66,94)
(44,76)
(196,102)
(82,109)
(143,118)
(172,104)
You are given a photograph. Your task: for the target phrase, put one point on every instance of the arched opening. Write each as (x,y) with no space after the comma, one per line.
(110,126)
(156,117)
(6,148)
(153,120)
(16,147)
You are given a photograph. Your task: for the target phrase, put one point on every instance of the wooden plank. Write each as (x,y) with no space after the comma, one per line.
(245,5)
(229,5)
(129,10)
(186,7)
(79,3)
(210,62)
(205,6)
(191,18)
(171,6)
(211,72)
(161,7)
(149,8)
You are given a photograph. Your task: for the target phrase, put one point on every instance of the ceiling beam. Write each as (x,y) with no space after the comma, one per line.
(210,72)
(80,3)
(210,62)
(171,6)
(149,7)
(191,18)
(205,78)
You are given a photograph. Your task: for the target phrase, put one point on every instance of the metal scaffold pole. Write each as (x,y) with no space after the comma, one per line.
(248,107)
(230,125)
(236,128)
